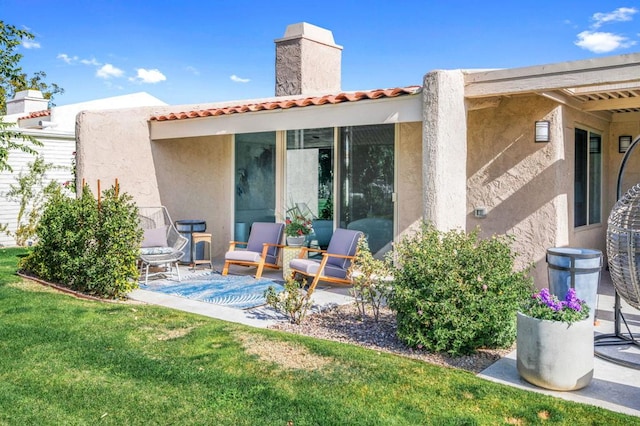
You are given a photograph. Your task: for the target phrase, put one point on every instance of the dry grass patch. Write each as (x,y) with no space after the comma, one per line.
(285,354)
(176,333)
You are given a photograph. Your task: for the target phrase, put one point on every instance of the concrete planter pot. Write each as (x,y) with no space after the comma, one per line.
(296,241)
(553,354)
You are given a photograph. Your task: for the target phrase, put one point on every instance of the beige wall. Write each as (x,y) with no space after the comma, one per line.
(191,177)
(408,176)
(522,184)
(196,182)
(623,124)
(527,187)
(115,145)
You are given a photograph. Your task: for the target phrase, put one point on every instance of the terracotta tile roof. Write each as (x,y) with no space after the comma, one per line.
(36,114)
(294,103)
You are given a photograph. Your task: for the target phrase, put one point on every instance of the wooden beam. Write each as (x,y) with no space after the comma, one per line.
(598,71)
(609,104)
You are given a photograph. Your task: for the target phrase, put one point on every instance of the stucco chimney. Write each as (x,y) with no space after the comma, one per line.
(307,61)
(27,101)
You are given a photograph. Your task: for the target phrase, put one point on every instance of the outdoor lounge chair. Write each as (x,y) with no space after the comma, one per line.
(335,263)
(263,248)
(162,244)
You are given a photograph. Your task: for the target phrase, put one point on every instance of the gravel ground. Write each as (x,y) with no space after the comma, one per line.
(343,324)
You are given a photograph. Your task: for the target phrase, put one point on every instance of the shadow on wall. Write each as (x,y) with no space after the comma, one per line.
(527,214)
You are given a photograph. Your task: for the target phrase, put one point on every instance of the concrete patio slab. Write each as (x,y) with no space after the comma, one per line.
(614,387)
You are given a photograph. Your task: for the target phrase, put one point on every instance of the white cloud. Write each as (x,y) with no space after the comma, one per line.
(91,61)
(192,70)
(108,71)
(621,14)
(238,79)
(599,42)
(66,58)
(30,44)
(149,76)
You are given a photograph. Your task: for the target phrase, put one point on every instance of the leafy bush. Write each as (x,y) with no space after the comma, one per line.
(292,301)
(86,247)
(455,292)
(371,280)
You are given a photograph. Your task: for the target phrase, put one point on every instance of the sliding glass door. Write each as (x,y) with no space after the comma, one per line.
(309,177)
(367,183)
(364,168)
(255,181)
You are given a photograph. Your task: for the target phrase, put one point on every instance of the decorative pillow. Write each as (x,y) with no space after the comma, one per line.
(155,237)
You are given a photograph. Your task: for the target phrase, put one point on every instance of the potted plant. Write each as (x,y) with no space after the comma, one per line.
(555,342)
(296,229)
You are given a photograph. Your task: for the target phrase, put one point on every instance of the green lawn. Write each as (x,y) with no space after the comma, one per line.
(70,361)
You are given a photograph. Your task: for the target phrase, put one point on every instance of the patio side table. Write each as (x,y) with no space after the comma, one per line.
(288,254)
(201,237)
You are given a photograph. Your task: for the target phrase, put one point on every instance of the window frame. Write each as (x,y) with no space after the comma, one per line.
(591,191)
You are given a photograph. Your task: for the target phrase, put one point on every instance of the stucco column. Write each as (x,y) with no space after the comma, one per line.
(444,150)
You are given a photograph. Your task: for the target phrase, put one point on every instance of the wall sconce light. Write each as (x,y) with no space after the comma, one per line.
(542,131)
(624,142)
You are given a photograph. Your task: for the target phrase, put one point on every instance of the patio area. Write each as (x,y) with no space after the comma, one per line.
(323,297)
(614,387)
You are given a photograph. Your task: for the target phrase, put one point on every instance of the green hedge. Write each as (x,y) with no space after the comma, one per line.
(455,292)
(86,247)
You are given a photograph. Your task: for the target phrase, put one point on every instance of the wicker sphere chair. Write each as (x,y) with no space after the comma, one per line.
(623,246)
(623,253)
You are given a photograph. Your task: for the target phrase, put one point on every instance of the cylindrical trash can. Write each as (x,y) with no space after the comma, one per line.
(187,227)
(577,268)
(241,234)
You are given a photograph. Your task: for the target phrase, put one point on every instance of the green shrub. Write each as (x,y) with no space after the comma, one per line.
(293,301)
(455,292)
(86,247)
(372,280)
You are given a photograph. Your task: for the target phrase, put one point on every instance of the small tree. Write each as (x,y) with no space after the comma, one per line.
(372,280)
(31,192)
(13,79)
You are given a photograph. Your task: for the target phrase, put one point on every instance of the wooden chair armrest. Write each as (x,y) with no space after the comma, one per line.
(273,245)
(341,256)
(265,248)
(232,244)
(303,253)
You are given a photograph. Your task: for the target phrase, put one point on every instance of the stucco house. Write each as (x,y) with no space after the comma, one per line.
(55,128)
(458,149)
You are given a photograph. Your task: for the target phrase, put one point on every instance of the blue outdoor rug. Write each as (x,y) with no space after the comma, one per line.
(240,292)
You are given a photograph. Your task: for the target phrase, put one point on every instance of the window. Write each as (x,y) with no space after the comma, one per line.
(588,178)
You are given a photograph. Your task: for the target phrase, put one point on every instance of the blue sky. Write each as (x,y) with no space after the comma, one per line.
(207,51)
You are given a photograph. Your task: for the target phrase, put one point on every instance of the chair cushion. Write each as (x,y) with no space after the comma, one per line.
(146,251)
(155,237)
(311,267)
(344,242)
(306,266)
(265,232)
(243,256)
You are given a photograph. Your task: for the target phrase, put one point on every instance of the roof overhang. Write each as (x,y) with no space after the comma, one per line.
(610,84)
(399,109)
